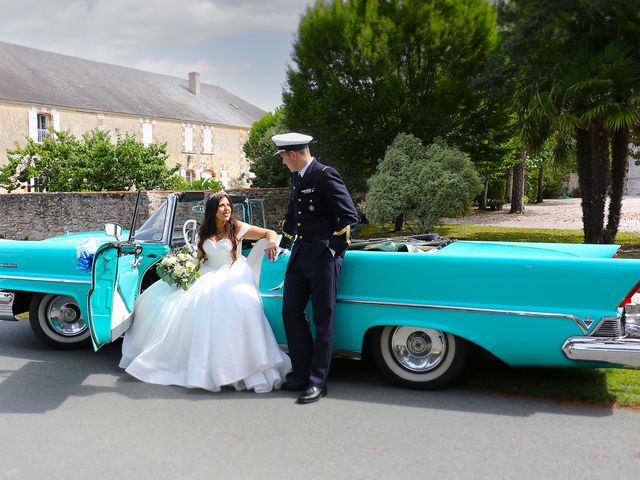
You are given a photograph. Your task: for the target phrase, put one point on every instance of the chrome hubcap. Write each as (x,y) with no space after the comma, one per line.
(418,349)
(63,316)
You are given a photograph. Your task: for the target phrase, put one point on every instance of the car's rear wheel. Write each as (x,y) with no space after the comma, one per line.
(56,320)
(420,358)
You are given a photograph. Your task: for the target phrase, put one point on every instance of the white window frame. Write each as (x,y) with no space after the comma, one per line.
(188,139)
(207,141)
(147,134)
(42,126)
(224,177)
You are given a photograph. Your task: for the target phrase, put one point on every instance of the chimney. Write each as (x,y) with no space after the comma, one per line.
(194,83)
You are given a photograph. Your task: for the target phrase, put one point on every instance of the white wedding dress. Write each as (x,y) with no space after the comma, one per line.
(212,335)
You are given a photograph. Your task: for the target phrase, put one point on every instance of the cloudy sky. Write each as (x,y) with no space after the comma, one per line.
(240,45)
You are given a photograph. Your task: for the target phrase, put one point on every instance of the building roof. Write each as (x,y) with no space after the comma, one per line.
(45,78)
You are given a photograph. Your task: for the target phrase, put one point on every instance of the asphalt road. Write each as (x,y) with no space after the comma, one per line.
(68,415)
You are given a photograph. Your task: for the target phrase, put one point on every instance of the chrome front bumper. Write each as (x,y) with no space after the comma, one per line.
(622,350)
(6,306)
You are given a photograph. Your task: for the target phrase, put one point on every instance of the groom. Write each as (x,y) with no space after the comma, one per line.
(316,229)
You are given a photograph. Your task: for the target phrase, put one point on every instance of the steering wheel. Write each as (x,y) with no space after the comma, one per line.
(190,235)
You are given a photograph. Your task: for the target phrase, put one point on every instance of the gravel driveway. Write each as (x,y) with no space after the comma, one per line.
(563,214)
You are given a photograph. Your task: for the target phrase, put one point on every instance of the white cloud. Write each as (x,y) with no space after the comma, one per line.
(165,36)
(123,26)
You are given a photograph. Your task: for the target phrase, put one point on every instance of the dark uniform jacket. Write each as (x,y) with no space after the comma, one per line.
(320,210)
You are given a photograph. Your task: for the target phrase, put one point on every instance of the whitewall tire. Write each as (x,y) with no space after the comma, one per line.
(56,320)
(420,358)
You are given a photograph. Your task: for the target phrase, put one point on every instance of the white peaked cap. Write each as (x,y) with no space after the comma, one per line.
(291,141)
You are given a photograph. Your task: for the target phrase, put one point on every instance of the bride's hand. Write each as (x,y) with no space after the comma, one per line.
(272,251)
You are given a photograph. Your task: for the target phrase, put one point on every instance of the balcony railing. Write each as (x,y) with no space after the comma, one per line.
(42,134)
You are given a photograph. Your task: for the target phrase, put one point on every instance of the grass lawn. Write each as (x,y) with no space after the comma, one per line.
(603,386)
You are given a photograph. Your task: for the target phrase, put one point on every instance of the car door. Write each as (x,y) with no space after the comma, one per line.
(114,291)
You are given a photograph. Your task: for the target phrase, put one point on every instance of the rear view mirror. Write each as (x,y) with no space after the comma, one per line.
(113,229)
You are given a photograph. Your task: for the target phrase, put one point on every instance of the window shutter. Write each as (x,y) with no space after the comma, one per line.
(206,140)
(188,139)
(198,175)
(56,121)
(147,134)
(183,173)
(33,126)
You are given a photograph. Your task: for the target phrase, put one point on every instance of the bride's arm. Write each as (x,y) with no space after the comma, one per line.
(256,233)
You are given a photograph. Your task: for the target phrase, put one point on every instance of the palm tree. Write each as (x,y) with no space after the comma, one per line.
(594,94)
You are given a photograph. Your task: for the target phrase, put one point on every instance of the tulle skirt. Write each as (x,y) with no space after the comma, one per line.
(212,335)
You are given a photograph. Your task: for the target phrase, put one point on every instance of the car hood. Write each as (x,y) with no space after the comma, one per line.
(55,256)
(528,249)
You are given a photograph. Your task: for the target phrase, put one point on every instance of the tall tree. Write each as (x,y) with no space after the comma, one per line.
(365,70)
(581,60)
(267,168)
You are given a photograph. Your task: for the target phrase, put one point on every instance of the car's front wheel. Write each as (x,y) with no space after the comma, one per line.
(420,358)
(56,320)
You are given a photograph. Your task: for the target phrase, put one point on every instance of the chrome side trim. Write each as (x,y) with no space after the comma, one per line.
(6,306)
(271,295)
(618,351)
(42,279)
(492,311)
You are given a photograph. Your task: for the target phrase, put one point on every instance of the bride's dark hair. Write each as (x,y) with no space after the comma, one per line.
(208,226)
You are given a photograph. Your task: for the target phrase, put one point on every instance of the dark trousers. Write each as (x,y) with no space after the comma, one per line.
(312,272)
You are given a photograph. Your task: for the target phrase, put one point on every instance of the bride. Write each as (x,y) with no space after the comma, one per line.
(215,333)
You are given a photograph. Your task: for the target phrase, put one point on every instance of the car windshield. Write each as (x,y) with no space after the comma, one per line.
(152,229)
(191,207)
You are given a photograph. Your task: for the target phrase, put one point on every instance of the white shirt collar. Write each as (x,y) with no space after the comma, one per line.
(304,169)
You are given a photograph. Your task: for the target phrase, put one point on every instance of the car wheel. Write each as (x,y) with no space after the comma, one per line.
(420,358)
(56,320)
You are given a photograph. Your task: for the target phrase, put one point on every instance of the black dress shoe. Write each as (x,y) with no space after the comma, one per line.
(312,394)
(292,385)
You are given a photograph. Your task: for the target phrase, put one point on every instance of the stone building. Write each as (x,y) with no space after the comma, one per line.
(203,125)
(633,178)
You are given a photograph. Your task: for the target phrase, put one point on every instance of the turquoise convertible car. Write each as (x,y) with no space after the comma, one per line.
(418,304)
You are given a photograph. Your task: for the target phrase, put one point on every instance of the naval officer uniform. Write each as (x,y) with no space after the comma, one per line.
(317,230)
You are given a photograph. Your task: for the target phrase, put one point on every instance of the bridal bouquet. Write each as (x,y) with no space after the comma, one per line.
(178,268)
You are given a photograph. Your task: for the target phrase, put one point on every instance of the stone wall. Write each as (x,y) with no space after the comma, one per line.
(36,216)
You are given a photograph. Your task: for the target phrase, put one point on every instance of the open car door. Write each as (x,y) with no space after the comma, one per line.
(114,291)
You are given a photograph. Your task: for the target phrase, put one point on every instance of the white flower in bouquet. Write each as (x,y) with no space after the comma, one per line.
(178,268)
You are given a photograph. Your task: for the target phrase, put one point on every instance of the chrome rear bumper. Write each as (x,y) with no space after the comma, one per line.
(618,351)
(6,306)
